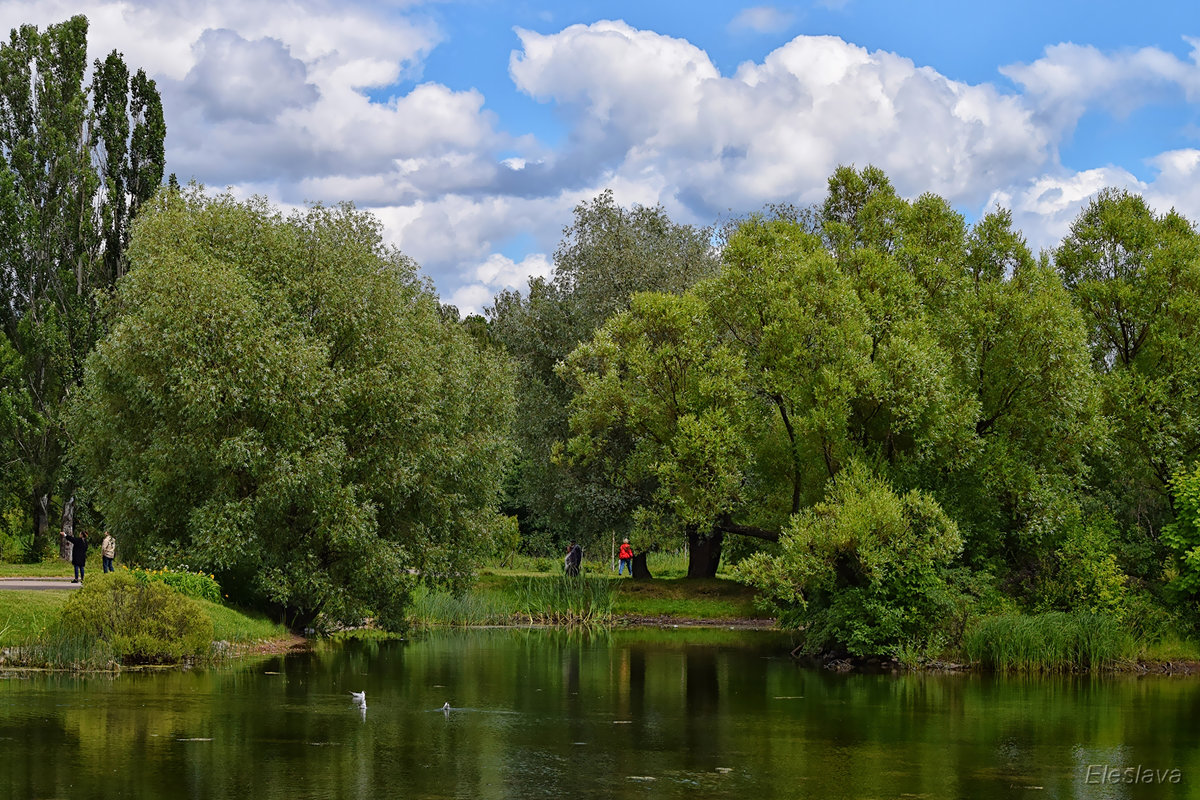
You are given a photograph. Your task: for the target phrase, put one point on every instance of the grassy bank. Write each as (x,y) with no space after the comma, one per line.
(30,635)
(518,596)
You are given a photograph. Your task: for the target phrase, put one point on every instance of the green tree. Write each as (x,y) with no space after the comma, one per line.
(1135,276)
(1182,535)
(281,401)
(661,413)
(863,570)
(606,255)
(66,195)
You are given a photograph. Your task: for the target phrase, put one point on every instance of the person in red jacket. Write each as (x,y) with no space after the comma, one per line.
(626,556)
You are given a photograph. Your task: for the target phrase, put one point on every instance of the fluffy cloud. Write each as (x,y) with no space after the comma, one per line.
(237,79)
(647,103)
(302,101)
(1071,78)
(494,275)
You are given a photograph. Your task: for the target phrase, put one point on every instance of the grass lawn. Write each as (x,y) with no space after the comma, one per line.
(56,568)
(684,598)
(665,598)
(26,613)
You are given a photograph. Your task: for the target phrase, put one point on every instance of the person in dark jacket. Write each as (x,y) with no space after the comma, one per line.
(574,559)
(79,546)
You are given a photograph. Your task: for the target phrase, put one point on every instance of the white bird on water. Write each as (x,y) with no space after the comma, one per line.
(359,697)
(446,708)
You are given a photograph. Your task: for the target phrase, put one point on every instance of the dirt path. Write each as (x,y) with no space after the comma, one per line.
(37,583)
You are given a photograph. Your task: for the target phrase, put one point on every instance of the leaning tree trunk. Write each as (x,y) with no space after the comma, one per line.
(41,526)
(65,548)
(704,553)
(638,568)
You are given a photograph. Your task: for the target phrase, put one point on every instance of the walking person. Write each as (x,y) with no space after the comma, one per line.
(625,554)
(108,551)
(79,546)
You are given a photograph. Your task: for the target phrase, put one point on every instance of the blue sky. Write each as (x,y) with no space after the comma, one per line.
(472,128)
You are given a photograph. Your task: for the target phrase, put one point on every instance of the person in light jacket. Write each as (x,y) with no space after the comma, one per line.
(108,551)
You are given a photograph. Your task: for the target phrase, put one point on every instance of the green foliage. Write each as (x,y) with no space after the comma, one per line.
(72,173)
(607,255)
(139,622)
(1052,642)
(863,570)
(1182,536)
(660,412)
(1085,574)
(1135,275)
(200,585)
(280,402)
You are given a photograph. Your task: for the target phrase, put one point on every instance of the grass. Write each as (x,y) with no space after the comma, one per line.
(430,607)
(701,598)
(585,600)
(55,568)
(24,614)
(505,596)
(234,625)
(1051,642)
(28,616)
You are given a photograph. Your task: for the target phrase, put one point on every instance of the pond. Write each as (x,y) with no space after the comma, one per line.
(630,713)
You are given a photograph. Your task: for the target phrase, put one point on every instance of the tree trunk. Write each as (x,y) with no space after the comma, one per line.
(41,526)
(638,567)
(704,554)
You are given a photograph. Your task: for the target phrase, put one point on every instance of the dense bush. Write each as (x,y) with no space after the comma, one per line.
(200,585)
(864,571)
(141,622)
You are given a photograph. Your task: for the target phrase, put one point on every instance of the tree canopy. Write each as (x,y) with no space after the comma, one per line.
(76,161)
(280,401)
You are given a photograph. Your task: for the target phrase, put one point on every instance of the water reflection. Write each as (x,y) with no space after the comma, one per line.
(549,714)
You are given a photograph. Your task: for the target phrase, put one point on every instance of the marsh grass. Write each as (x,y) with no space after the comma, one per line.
(583,600)
(1051,642)
(434,607)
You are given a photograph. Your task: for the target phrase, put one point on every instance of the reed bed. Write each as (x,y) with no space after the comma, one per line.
(1051,642)
(431,607)
(582,600)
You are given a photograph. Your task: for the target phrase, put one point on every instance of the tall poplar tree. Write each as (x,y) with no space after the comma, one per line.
(76,161)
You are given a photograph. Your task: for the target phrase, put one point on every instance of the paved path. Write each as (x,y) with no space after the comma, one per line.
(37,583)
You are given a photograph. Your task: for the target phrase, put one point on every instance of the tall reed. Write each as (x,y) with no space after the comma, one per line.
(431,607)
(561,600)
(1055,641)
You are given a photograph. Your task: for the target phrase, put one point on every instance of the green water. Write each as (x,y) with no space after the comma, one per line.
(545,714)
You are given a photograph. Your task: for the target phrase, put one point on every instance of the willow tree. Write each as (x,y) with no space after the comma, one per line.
(281,402)
(76,160)
(607,255)
(1135,276)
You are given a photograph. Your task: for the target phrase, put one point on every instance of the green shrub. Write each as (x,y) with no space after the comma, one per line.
(200,585)
(863,571)
(1083,573)
(1052,642)
(140,622)
(1182,536)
